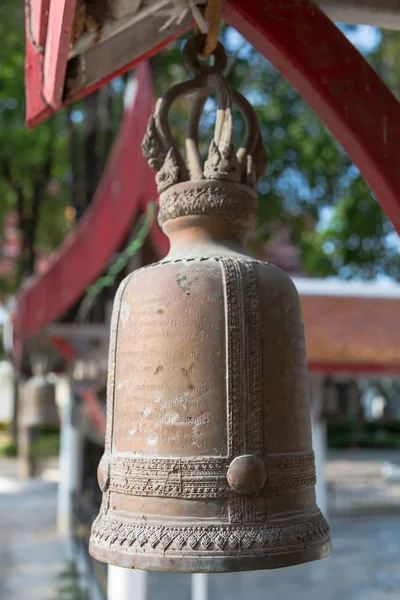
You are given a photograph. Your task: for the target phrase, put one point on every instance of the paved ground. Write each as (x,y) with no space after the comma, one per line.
(355,482)
(365,564)
(30,559)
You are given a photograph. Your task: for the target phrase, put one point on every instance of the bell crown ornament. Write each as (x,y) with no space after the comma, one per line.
(208,462)
(224,185)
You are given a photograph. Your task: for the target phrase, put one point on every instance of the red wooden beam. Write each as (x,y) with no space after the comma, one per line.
(59,31)
(336,82)
(48,25)
(64,348)
(37,109)
(39,14)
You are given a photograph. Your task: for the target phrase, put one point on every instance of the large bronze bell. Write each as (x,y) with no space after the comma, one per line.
(208,464)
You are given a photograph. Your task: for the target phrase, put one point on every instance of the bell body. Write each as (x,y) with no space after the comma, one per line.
(208,465)
(39,407)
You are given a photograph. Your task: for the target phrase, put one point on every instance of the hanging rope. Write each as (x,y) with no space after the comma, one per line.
(213,16)
(109,279)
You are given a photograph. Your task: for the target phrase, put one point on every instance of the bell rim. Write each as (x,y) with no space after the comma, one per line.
(307,539)
(212,564)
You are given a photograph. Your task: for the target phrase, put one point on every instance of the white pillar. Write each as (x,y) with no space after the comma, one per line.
(200,586)
(7,391)
(70,462)
(126,584)
(319,439)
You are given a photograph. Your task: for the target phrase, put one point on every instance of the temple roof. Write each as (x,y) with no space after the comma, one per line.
(351,326)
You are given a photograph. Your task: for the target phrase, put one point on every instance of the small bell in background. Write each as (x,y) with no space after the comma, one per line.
(38,409)
(39,405)
(208,464)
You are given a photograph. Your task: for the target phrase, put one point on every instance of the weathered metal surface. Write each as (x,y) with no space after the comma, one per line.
(208,462)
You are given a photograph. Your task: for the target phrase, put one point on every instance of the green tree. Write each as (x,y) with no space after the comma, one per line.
(58,164)
(359,239)
(32,163)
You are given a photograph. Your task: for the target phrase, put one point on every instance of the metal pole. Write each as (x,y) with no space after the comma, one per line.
(15,413)
(70,463)
(319,439)
(126,584)
(200,586)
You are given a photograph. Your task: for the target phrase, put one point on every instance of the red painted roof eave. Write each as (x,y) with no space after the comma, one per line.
(354,368)
(48,26)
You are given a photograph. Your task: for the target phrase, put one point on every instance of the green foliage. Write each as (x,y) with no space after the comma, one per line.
(118,265)
(8,449)
(69,588)
(355,434)
(359,240)
(46,442)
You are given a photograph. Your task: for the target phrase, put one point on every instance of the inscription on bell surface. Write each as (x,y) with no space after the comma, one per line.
(168,396)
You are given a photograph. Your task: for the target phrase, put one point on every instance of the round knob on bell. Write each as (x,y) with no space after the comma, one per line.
(246,474)
(103,473)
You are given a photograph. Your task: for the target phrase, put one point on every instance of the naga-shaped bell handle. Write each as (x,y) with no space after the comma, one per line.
(245,166)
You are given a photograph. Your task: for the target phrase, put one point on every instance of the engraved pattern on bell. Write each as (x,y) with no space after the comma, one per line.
(208,464)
